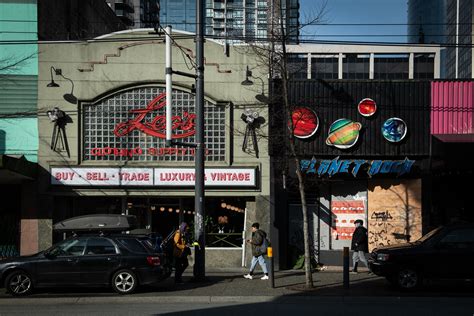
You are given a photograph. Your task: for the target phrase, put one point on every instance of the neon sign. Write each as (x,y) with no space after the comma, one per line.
(336,166)
(157,126)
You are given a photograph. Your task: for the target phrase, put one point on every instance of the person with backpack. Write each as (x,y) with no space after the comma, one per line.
(259,244)
(181,251)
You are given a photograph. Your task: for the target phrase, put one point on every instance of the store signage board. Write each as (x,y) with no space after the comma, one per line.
(162,177)
(240,177)
(343,166)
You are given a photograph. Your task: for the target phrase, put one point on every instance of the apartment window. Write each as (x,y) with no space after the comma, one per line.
(323,67)
(298,66)
(391,66)
(424,66)
(355,66)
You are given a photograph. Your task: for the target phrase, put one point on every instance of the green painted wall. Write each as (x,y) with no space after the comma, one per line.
(19,136)
(18,27)
(18,78)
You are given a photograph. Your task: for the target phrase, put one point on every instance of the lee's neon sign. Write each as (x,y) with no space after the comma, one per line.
(157,126)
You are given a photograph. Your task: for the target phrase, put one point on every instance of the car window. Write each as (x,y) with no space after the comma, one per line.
(132,244)
(100,246)
(70,247)
(429,235)
(458,238)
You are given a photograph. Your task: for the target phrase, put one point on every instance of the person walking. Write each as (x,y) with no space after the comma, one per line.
(181,251)
(258,251)
(360,245)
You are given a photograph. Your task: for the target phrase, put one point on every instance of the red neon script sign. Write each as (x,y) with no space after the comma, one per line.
(157,126)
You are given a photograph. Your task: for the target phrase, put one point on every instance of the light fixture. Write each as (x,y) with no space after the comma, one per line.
(177,210)
(223,205)
(162,209)
(69,97)
(53,84)
(170,210)
(247,81)
(152,207)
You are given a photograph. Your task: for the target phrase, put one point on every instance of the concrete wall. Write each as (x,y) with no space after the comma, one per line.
(100,68)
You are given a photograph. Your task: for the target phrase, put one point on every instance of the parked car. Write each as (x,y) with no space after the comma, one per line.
(121,261)
(444,253)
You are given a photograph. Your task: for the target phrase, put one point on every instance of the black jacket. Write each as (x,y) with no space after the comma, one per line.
(360,241)
(257,240)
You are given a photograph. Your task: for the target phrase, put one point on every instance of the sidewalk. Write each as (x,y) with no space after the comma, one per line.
(229,285)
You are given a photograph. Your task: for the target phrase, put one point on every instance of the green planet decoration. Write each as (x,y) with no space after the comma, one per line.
(343,133)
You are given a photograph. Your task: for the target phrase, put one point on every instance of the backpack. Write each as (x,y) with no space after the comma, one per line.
(262,249)
(167,245)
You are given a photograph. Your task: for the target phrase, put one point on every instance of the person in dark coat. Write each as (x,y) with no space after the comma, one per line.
(258,237)
(360,245)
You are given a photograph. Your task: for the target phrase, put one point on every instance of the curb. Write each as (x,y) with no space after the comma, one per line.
(284,299)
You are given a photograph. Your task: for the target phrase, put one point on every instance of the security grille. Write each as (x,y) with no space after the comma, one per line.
(137,139)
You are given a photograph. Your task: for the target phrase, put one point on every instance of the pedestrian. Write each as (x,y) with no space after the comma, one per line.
(181,251)
(360,245)
(258,251)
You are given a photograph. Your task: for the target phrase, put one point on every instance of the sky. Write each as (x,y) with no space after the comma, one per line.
(356,12)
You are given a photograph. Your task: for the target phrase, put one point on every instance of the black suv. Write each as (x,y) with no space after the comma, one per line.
(444,253)
(121,261)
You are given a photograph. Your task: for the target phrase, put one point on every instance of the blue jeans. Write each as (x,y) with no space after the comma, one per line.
(261,261)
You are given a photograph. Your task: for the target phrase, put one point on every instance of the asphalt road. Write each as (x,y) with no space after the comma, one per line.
(302,305)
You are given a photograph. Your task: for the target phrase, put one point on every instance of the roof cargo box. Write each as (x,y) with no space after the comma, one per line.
(97,222)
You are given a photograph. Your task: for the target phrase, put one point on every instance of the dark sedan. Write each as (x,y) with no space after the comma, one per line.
(444,253)
(120,261)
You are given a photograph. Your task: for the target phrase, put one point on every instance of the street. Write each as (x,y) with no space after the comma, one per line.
(230,294)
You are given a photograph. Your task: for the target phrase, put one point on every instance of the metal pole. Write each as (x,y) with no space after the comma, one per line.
(169,85)
(346,268)
(272,267)
(199,229)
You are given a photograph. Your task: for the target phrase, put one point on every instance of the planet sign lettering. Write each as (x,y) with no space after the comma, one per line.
(336,166)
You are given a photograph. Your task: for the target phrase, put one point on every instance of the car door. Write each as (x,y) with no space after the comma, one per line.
(455,251)
(100,259)
(59,265)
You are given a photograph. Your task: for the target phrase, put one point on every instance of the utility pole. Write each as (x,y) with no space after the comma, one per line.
(199,229)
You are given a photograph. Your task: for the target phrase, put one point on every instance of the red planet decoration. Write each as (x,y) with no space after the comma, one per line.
(305,122)
(367,107)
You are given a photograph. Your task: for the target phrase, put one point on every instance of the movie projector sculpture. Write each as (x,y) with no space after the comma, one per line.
(253,121)
(60,119)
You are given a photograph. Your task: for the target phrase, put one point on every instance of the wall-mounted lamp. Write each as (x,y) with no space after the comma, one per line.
(69,97)
(247,82)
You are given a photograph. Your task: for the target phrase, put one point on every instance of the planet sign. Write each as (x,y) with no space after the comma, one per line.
(394,129)
(343,133)
(367,107)
(305,122)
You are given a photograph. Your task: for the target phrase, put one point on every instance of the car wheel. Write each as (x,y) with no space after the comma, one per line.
(408,278)
(19,283)
(124,282)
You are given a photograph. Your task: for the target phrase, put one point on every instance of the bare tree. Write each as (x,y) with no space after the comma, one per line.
(272,54)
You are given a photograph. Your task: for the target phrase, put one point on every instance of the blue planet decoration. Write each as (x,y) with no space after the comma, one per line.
(343,133)
(394,129)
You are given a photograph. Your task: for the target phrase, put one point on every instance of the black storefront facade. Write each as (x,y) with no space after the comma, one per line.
(357,175)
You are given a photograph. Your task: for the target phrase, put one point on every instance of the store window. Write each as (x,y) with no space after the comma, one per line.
(130,125)
(348,204)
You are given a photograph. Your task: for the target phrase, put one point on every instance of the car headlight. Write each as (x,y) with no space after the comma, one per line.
(382,256)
